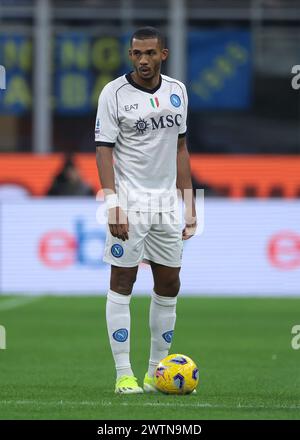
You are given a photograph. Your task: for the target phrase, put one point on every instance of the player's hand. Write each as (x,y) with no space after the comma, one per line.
(189,230)
(118,223)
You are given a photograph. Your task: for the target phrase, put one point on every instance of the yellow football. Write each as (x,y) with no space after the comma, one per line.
(176,374)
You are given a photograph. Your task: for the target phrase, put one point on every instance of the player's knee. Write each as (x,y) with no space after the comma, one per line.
(174,288)
(122,281)
(169,287)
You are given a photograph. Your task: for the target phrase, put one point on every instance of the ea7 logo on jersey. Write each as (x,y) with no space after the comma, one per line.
(131,107)
(167,121)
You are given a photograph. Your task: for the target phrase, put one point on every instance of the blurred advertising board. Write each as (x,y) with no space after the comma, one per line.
(16,57)
(220,69)
(246,248)
(218,62)
(236,173)
(82,65)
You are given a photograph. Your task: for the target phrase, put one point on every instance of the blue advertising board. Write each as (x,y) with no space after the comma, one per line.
(219,69)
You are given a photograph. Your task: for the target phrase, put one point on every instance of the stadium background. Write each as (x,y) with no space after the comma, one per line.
(236,59)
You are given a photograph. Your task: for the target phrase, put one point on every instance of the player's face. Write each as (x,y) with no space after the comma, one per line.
(147,56)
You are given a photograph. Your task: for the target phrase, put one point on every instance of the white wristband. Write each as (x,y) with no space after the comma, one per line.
(112,201)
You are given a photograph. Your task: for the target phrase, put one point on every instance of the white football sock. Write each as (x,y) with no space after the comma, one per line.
(118,327)
(162,323)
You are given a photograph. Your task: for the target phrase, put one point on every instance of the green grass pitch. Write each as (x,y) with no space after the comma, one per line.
(58,363)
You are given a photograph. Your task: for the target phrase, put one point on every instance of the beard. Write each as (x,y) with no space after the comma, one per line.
(147,74)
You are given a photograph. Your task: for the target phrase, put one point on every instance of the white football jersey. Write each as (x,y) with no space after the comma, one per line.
(143,127)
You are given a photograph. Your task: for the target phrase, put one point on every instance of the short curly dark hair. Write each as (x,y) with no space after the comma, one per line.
(146,32)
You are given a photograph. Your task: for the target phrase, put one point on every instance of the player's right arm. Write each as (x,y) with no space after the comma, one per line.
(106,133)
(117,219)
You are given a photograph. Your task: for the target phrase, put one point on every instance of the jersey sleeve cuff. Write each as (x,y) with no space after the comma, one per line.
(105,144)
(181,135)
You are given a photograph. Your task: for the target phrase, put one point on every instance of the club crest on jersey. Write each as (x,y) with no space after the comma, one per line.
(175,100)
(117,250)
(141,126)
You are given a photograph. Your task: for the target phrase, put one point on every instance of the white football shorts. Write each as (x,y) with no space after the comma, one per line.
(153,236)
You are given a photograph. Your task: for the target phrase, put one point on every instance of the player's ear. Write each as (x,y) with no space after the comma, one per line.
(165,53)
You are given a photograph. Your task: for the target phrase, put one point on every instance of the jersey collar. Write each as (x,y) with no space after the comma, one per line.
(144,89)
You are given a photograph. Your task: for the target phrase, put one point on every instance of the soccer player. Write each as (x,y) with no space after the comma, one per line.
(142,158)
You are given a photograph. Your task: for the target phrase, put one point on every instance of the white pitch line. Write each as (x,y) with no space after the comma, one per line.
(61,403)
(50,403)
(209,405)
(13,303)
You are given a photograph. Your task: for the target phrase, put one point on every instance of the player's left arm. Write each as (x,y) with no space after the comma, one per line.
(184,184)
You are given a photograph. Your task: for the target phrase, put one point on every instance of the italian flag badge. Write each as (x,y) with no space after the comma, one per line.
(154,102)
